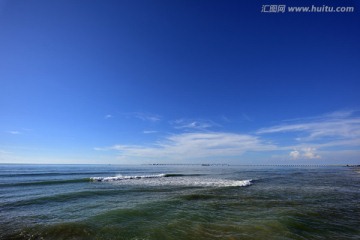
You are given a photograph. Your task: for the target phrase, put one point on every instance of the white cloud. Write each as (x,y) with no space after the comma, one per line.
(14,132)
(335,126)
(340,114)
(144,116)
(195,145)
(304,153)
(149,131)
(193,124)
(310,153)
(108,116)
(294,154)
(334,132)
(340,129)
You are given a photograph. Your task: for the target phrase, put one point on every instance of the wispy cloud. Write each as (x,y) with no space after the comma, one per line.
(21,131)
(224,118)
(246,117)
(339,129)
(340,114)
(149,131)
(306,139)
(337,126)
(14,132)
(4,152)
(144,116)
(195,145)
(193,124)
(108,116)
(330,115)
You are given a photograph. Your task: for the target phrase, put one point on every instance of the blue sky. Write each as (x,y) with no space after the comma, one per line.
(178,82)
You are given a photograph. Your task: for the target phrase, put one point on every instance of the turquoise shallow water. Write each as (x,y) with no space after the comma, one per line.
(178,202)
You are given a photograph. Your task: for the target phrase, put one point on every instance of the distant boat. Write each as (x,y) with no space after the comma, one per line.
(205,165)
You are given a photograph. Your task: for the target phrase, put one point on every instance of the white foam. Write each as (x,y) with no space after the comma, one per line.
(162,180)
(120,177)
(218,183)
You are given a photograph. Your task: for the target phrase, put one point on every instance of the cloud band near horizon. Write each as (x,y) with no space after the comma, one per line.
(309,137)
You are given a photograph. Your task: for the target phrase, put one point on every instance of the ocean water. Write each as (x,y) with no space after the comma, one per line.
(179,202)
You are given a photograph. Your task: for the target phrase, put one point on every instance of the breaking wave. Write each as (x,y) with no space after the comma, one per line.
(118,178)
(173,179)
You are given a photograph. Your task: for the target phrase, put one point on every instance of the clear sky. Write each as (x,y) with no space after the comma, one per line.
(140,81)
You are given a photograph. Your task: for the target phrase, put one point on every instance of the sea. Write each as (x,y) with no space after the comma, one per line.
(178,202)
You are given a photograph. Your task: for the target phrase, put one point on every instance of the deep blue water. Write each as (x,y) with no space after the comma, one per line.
(178,202)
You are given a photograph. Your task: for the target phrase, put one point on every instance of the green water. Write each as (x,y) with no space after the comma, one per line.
(280,203)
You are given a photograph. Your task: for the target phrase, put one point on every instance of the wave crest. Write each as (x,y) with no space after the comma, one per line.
(119,178)
(174,180)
